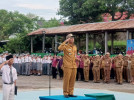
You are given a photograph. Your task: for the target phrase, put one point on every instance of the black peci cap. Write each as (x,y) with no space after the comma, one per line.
(9,57)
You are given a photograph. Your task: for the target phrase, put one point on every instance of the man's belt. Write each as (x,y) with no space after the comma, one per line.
(8,83)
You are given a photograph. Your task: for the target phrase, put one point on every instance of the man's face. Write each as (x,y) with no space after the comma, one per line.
(107,55)
(71,40)
(10,61)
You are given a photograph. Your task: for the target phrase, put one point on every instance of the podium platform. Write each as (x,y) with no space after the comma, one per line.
(61,97)
(101,96)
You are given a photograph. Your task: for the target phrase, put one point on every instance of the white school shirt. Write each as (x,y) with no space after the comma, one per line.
(28,59)
(22,59)
(44,60)
(1,60)
(16,60)
(6,74)
(34,60)
(49,60)
(39,60)
(19,60)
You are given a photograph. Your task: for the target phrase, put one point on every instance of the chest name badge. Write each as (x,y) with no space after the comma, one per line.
(69,53)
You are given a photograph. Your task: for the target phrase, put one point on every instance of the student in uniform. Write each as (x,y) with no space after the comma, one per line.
(39,65)
(16,64)
(9,77)
(23,64)
(28,62)
(34,65)
(54,67)
(60,65)
(49,62)
(1,61)
(81,67)
(19,64)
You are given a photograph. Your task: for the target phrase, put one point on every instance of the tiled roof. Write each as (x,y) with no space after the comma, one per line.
(89,27)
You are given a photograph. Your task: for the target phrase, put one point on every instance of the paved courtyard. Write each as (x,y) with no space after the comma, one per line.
(26,83)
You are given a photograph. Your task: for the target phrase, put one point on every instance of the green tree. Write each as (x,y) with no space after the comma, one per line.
(113,6)
(20,24)
(84,11)
(14,22)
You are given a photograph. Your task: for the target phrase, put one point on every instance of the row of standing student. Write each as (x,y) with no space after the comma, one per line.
(88,68)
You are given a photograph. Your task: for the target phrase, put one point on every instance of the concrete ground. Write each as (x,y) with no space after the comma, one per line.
(27,83)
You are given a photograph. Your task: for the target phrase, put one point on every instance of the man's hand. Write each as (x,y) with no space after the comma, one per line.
(67,40)
(6,62)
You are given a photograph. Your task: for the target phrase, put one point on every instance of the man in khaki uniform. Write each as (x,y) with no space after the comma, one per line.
(119,68)
(125,67)
(132,69)
(69,65)
(86,68)
(102,65)
(107,68)
(96,69)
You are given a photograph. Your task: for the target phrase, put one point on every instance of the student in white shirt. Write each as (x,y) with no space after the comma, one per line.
(23,64)
(9,77)
(39,65)
(44,65)
(28,64)
(1,60)
(49,62)
(16,64)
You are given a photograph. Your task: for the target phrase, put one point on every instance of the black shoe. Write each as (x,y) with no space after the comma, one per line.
(72,96)
(66,96)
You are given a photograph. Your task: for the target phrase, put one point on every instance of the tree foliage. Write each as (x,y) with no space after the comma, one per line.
(14,22)
(83,11)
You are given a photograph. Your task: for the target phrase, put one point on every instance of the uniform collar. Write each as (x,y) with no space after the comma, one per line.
(70,44)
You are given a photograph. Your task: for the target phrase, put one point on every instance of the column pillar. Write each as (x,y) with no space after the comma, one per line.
(87,42)
(55,43)
(43,42)
(112,42)
(94,41)
(31,44)
(106,42)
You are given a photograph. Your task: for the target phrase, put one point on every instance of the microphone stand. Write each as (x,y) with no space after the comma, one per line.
(50,80)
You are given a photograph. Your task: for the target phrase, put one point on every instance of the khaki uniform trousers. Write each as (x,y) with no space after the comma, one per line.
(106,74)
(86,73)
(69,80)
(102,73)
(119,74)
(125,73)
(132,72)
(96,74)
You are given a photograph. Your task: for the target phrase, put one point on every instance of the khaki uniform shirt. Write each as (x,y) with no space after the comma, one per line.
(70,52)
(125,60)
(119,63)
(132,62)
(96,62)
(86,62)
(107,62)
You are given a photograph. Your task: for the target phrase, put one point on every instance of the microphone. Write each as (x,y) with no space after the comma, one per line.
(57,43)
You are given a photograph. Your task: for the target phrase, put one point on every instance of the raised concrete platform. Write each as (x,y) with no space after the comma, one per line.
(61,97)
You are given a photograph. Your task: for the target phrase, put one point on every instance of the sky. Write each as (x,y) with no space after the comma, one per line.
(43,8)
